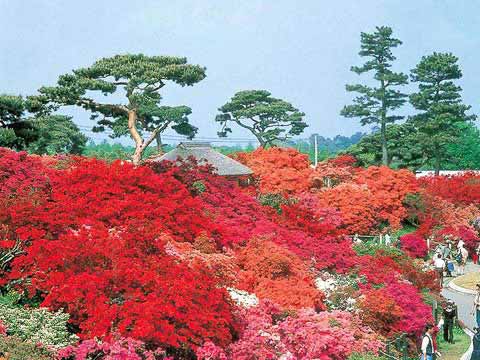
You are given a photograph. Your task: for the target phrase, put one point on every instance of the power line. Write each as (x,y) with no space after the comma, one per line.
(176,137)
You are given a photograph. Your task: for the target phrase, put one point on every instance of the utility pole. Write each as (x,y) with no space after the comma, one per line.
(316,150)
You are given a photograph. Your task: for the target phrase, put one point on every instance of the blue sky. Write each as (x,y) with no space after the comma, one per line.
(299,50)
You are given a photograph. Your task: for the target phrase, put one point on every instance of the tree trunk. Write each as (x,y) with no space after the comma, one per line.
(437,164)
(384,144)
(158,137)
(132,122)
(261,141)
(383,130)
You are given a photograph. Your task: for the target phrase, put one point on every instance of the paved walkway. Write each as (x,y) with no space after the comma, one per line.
(464,305)
(463,301)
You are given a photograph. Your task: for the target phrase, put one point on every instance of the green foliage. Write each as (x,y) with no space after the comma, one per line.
(199,187)
(370,248)
(458,348)
(16,132)
(404,151)
(139,78)
(57,134)
(111,152)
(440,104)
(274,200)
(269,119)
(35,325)
(17,349)
(373,104)
(464,153)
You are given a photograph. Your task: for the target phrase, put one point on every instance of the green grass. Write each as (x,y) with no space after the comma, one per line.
(457,349)
(406,229)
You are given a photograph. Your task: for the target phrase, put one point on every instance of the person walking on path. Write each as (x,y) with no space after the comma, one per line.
(477,254)
(439,265)
(449,316)
(476,345)
(476,306)
(428,347)
(462,259)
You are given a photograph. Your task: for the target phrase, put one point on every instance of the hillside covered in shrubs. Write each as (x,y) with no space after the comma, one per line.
(173,262)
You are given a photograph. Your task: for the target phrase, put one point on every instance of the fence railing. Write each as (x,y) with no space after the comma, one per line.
(396,348)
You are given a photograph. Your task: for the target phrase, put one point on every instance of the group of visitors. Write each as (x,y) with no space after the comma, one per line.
(445,258)
(429,349)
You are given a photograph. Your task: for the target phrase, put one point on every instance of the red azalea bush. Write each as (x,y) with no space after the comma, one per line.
(379,311)
(122,281)
(20,174)
(461,189)
(414,245)
(272,272)
(95,247)
(278,170)
(395,308)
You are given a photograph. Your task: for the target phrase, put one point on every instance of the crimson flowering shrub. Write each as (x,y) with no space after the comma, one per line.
(414,245)
(461,189)
(95,246)
(379,311)
(395,308)
(416,314)
(122,281)
(19,174)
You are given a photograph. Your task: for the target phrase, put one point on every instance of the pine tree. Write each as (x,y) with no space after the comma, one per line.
(373,105)
(440,102)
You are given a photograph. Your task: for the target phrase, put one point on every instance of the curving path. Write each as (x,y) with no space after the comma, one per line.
(464,303)
(463,300)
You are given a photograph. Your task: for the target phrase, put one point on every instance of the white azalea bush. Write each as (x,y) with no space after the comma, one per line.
(38,326)
(340,290)
(243,298)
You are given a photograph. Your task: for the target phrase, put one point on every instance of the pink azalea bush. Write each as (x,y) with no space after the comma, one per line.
(122,348)
(271,334)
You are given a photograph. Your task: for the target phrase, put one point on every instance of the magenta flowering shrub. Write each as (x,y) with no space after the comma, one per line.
(270,334)
(3,328)
(122,348)
(327,335)
(210,351)
(415,313)
(414,245)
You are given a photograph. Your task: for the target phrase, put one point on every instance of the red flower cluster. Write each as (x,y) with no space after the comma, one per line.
(414,245)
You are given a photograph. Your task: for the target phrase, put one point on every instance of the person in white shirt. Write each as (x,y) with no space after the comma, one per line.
(428,347)
(463,260)
(439,265)
(476,306)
